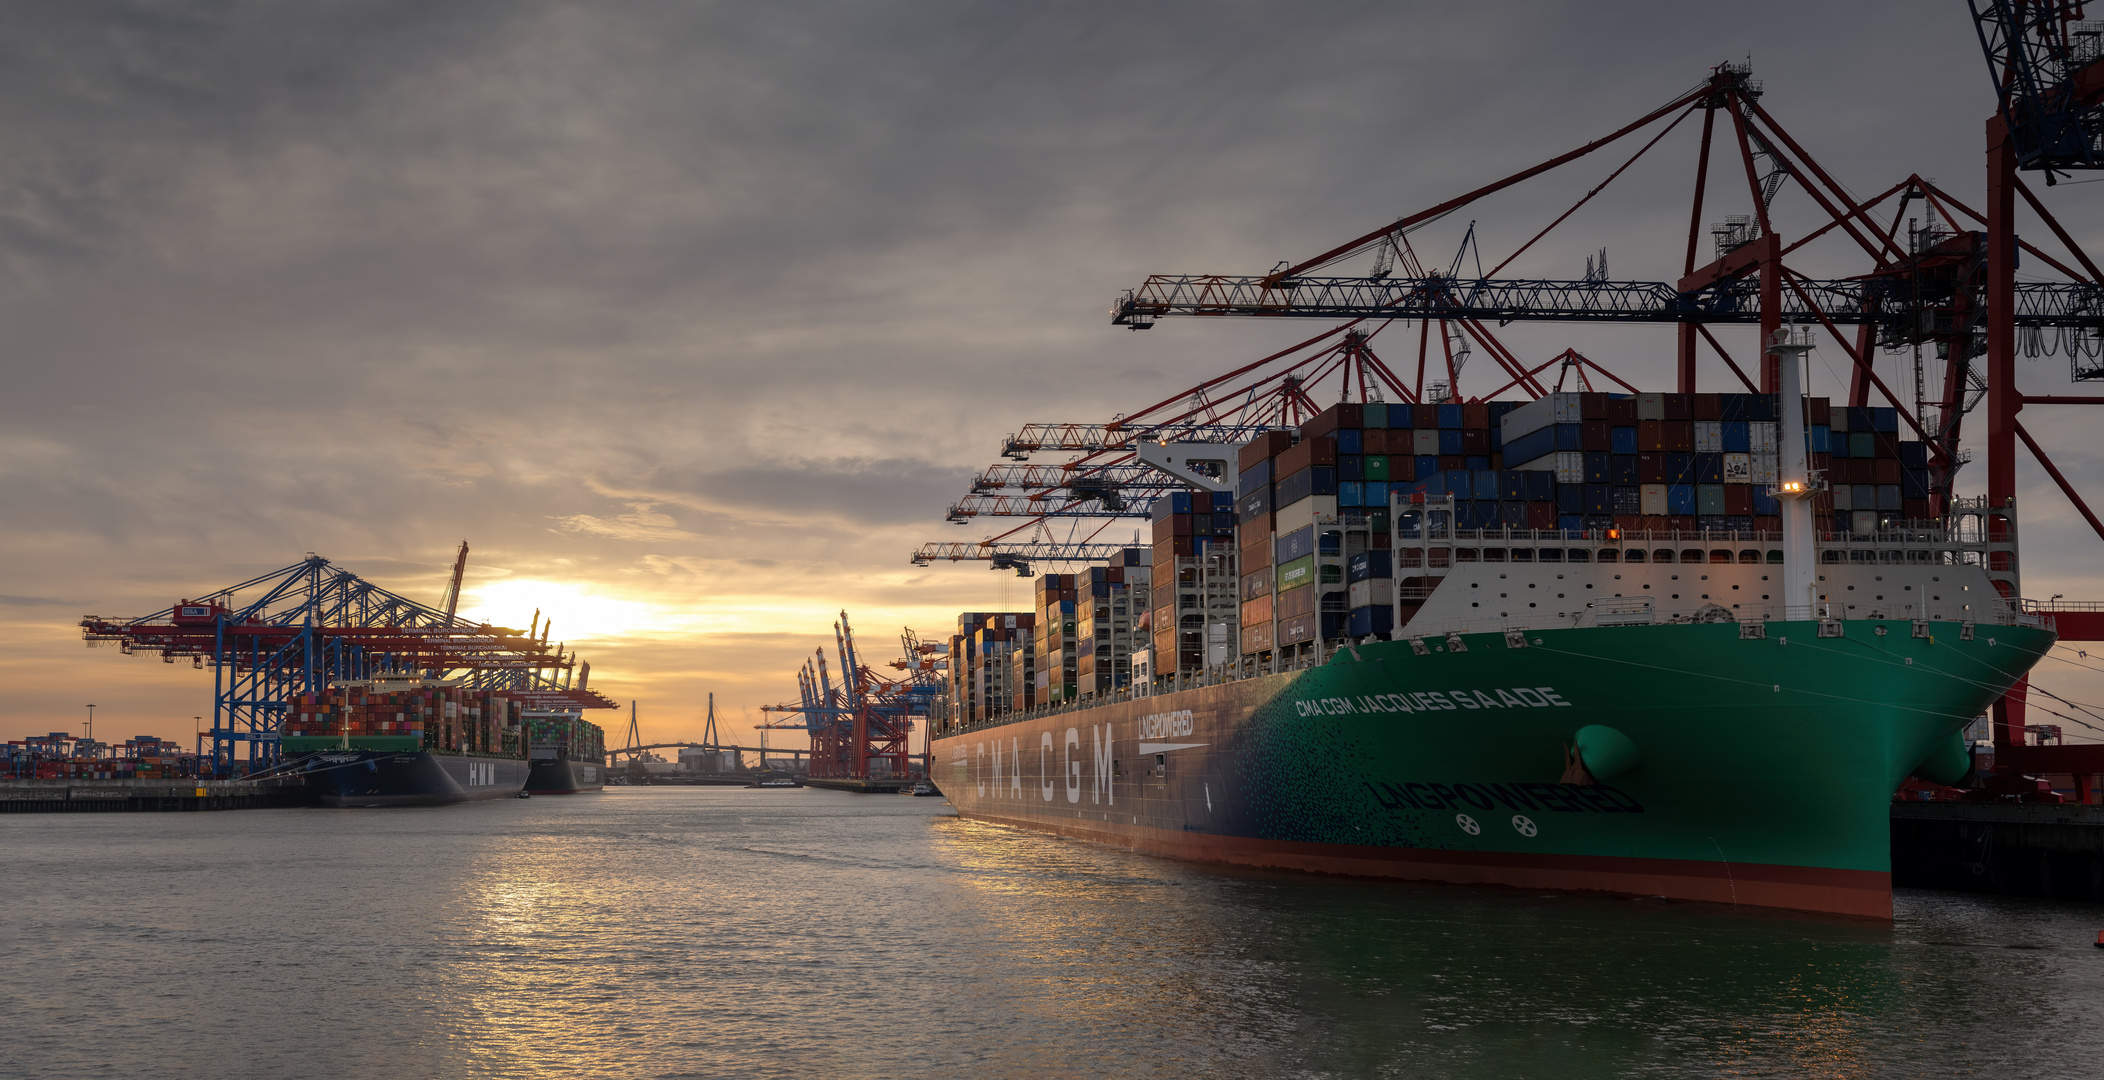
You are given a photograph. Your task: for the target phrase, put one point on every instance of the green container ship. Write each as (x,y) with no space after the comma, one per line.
(1712,716)
(1739,769)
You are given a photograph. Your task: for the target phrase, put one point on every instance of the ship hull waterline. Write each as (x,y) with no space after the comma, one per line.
(370,778)
(1767,764)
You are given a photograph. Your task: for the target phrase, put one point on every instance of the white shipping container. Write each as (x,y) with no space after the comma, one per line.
(1651,406)
(1761,435)
(1540,413)
(1568,465)
(1305,512)
(1709,437)
(1766,470)
(1866,522)
(1844,498)
(1652,500)
(1424,441)
(1738,468)
(1372,591)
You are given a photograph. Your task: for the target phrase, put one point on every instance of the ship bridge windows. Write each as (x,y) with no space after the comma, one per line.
(1691,555)
(1662,555)
(1720,555)
(1522,554)
(1775,556)
(1549,555)
(1464,555)
(1749,556)
(1608,556)
(1635,555)
(1493,554)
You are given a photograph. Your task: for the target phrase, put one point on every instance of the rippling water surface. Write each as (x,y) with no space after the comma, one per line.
(727,932)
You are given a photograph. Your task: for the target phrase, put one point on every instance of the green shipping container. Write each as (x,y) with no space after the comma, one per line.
(1300,571)
(1377,467)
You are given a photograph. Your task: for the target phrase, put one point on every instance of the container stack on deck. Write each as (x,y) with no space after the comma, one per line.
(1110,606)
(569,735)
(1305,553)
(1195,617)
(454,719)
(982,669)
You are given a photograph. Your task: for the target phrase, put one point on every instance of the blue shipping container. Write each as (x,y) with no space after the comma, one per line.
(1622,440)
(1680,499)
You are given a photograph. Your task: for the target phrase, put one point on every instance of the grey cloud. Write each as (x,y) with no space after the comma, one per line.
(701,292)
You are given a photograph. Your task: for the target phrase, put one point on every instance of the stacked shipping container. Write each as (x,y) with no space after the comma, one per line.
(434,716)
(1195,613)
(1574,462)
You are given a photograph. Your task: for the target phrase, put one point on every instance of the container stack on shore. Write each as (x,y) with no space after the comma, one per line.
(60,756)
(432,716)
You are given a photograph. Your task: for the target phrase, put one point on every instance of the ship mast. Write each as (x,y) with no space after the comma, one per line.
(1795,486)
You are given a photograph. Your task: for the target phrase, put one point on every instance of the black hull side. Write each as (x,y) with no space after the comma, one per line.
(562,776)
(351,778)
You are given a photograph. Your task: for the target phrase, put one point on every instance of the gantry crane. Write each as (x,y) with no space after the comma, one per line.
(298,629)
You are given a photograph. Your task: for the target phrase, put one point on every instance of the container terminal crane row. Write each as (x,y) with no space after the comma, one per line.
(869,717)
(311,624)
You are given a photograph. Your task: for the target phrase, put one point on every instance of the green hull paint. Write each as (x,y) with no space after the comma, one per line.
(1768,753)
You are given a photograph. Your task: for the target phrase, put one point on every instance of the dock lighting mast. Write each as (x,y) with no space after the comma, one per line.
(1795,487)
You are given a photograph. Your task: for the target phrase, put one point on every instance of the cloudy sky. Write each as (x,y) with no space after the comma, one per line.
(692,318)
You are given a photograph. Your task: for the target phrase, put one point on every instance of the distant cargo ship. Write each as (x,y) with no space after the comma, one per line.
(403,740)
(568,754)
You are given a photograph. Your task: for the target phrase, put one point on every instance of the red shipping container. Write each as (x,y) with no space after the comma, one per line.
(1403,468)
(1628,522)
(1654,523)
(1738,498)
(1679,435)
(1541,515)
(1681,523)
(1475,441)
(1651,468)
(1269,444)
(1596,436)
(1476,417)
(1887,444)
(1886,470)
(1705,407)
(1383,541)
(1452,461)
(1324,423)
(1917,509)
(1650,435)
(1621,412)
(1678,407)
(1817,411)
(1424,416)
(1592,406)
(1373,441)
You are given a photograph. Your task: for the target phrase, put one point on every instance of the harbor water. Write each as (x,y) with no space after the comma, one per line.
(676,932)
